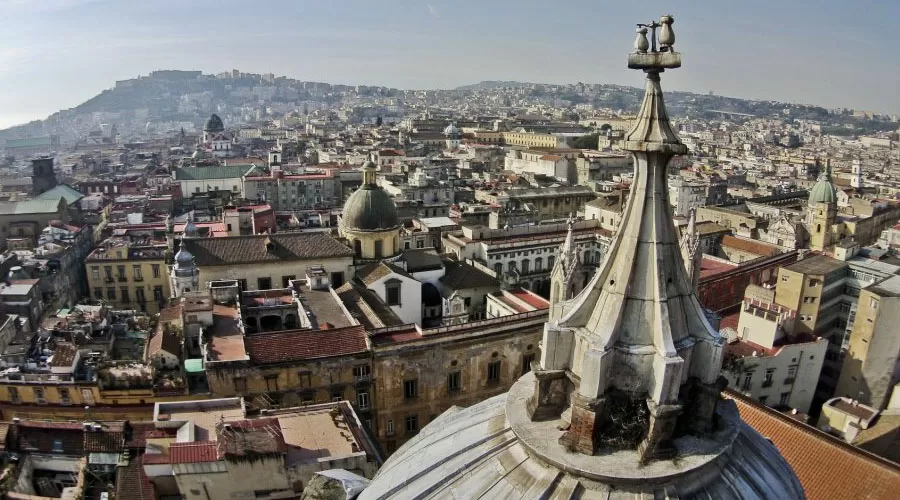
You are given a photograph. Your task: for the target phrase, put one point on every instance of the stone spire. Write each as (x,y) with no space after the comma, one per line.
(690,250)
(637,336)
(566,270)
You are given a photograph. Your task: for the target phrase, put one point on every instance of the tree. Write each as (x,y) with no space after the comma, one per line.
(589,141)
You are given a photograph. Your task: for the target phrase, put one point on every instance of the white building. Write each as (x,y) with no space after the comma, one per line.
(767,361)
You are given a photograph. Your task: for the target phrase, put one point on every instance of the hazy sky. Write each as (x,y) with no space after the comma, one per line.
(55,54)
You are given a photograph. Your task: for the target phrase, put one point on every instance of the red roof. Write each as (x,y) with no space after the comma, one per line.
(751,246)
(186,453)
(826,466)
(531,299)
(297,345)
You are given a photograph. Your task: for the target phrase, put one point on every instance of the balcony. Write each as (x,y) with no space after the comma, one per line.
(789,380)
(138,278)
(767,383)
(109,279)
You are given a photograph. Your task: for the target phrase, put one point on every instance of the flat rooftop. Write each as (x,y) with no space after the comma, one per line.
(326,307)
(888,287)
(313,433)
(816,265)
(226,342)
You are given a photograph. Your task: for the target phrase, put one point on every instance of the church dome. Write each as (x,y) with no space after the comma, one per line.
(823,191)
(451,131)
(492,450)
(369,208)
(214,124)
(183,259)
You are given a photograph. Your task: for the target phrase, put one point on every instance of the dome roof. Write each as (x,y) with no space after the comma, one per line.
(451,130)
(214,124)
(492,450)
(823,191)
(183,258)
(369,208)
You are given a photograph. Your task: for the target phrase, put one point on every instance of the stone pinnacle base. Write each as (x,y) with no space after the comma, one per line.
(586,416)
(658,443)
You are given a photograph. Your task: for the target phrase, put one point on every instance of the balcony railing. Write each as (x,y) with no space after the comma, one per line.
(767,383)
(789,380)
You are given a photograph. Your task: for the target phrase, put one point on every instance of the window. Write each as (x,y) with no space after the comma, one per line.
(410,388)
(527,359)
(412,424)
(770,373)
(762,399)
(39,395)
(95,272)
(98,293)
(272,382)
(139,295)
(337,394)
(813,283)
(158,293)
(526,265)
(809,300)
(14,395)
(155,270)
(111,293)
(305,382)
(240,384)
(748,377)
(125,298)
(493,372)
(392,293)
(785,397)
(498,269)
(873,303)
(57,446)
(389,428)
(362,372)
(362,400)
(120,271)
(337,279)
(107,272)
(551,260)
(453,380)
(264,283)
(379,249)
(511,267)
(138,276)
(286,280)
(538,264)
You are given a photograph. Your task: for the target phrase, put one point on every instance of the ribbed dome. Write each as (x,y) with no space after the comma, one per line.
(369,208)
(491,450)
(451,130)
(214,124)
(183,259)
(823,192)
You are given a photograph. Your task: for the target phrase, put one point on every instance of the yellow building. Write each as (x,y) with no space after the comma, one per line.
(129,275)
(532,140)
(870,370)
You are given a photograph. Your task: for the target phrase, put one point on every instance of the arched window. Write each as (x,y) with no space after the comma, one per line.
(551,260)
(587,256)
(538,264)
(511,267)
(526,265)
(379,249)
(498,269)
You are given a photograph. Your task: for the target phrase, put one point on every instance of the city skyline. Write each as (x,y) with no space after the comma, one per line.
(59,53)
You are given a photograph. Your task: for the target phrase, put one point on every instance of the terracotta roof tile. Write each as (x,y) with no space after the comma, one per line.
(284,247)
(828,468)
(133,483)
(186,453)
(298,345)
(751,246)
